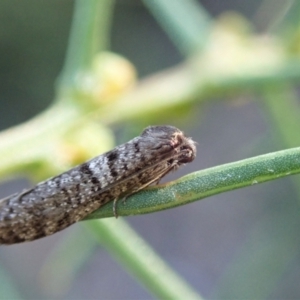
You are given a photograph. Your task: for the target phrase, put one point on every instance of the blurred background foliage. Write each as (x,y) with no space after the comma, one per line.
(226,72)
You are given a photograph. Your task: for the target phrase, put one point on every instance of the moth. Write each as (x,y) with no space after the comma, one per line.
(60,201)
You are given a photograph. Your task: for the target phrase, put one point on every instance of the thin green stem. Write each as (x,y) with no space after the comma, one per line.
(67,262)
(31,142)
(202,184)
(186,22)
(156,93)
(140,260)
(90,33)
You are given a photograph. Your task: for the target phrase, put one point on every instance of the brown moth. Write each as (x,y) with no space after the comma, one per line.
(60,201)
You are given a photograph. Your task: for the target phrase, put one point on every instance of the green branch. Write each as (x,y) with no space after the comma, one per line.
(89,35)
(187,23)
(202,184)
(140,260)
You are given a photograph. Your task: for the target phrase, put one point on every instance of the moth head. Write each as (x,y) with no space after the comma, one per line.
(187,151)
(184,147)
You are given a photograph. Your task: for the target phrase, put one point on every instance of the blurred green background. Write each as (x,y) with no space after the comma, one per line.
(238,245)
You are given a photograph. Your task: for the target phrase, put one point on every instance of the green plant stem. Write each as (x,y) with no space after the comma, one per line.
(68,262)
(90,33)
(23,144)
(140,260)
(156,92)
(208,182)
(186,22)
(29,142)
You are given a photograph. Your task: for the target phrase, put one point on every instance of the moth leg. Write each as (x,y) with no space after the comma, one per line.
(17,195)
(170,169)
(123,199)
(115,207)
(134,192)
(9,197)
(115,204)
(154,181)
(157,181)
(140,188)
(25,192)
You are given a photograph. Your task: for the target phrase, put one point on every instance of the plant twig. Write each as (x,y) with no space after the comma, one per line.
(202,184)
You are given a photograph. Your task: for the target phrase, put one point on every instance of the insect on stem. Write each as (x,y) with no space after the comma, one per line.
(60,201)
